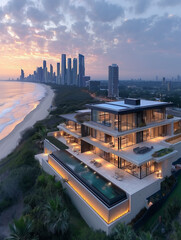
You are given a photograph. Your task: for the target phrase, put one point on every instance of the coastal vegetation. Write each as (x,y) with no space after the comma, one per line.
(48,213)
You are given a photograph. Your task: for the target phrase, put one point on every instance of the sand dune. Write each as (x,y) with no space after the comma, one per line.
(10,142)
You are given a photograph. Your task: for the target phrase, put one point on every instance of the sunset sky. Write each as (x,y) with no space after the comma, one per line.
(142,36)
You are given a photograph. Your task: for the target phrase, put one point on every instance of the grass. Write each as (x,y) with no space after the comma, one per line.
(175,195)
(56,142)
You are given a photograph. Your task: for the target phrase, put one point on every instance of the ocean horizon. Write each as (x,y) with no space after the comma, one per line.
(17,100)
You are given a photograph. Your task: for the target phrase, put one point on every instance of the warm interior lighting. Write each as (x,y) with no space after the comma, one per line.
(88,153)
(83,196)
(159,174)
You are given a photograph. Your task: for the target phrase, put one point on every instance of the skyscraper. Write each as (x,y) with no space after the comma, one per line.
(63,69)
(22,75)
(75,82)
(58,73)
(69,72)
(44,64)
(81,70)
(113,81)
(51,73)
(44,71)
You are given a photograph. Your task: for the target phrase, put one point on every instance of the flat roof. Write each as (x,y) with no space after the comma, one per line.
(69,116)
(120,106)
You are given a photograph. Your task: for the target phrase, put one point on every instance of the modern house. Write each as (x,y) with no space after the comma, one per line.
(117,155)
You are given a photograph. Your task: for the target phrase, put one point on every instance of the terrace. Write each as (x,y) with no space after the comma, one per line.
(128,153)
(174,140)
(116,133)
(128,183)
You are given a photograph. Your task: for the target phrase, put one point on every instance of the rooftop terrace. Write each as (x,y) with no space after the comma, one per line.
(121,106)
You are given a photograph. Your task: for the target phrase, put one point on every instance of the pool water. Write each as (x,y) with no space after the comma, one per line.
(100,186)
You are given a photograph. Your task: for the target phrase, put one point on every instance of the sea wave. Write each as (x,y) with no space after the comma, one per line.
(17,102)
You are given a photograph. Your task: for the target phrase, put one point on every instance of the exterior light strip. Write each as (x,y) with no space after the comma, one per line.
(83,196)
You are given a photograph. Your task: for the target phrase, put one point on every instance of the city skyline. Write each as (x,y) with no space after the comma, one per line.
(142,37)
(72,72)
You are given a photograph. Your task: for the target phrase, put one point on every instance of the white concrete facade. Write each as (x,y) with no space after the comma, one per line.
(96,213)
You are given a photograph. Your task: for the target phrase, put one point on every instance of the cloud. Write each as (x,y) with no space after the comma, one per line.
(16,8)
(167,3)
(36,15)
(141,6)
(104,11)
(97,29)
(53,6)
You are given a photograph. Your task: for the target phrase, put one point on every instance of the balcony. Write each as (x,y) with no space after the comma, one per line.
(70,130)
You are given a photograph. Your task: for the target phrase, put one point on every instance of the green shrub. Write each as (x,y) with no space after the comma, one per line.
(162,152)
(56,142)
(169,116)
(5,203)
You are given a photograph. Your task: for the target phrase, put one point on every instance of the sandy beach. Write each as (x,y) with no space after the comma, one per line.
(10,142)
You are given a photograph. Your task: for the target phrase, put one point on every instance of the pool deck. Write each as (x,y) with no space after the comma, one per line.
(129,183)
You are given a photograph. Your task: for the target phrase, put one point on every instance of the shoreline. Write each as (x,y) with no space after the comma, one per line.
(11,141)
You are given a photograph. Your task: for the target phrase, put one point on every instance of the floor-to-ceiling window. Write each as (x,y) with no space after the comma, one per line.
(177,127)
(127,122)
(127,141)
(105,118)
(138,171)
(154,115)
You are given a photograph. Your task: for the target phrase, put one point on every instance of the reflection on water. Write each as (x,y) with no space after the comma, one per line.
(16,101)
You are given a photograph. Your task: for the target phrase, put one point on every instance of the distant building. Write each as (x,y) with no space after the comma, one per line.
(69,71)
(22,76)
(44,64)
(39,74)
(113,81)
(94,86)
(163,81)
(74,72)
(169,86)
(45,72)
(86,79)
(58,73)
(63,69)
(81,70)
(51,73)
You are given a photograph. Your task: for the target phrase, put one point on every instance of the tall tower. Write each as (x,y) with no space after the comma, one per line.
(58,73)
(22,76)
(63,69)
(44,64)
(74,72)
(51,73)
(44,71)
(113,81)
(81,70)
(69,72)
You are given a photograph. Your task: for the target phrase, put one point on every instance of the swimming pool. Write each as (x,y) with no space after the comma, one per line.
(106,191)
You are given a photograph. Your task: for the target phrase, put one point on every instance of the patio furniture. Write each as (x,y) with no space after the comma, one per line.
(97,164)
(93,161)
(118,174)
(142,150)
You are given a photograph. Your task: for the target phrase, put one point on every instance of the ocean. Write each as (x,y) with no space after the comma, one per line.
(17,100)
